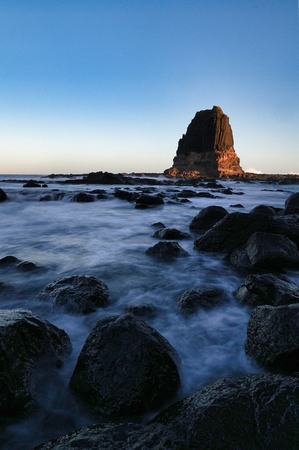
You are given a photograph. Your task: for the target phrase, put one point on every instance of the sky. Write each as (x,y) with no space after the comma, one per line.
(111,85)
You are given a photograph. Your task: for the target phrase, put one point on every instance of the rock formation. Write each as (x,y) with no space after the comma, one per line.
(207,148)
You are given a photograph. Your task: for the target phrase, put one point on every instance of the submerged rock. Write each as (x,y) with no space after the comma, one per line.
(82,197)
(125,369)
(267,289)
(194,299)
(166,251)
(171,233)
(273,337)
(3,195)
(28,345)
(254,412)
(76,294)
(149,200)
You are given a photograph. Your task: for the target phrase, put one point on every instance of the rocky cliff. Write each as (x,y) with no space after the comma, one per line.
(207,148)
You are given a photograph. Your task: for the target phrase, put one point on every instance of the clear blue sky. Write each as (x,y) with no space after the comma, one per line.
(113,84)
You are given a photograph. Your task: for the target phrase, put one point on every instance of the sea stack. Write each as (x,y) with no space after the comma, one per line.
(207,148)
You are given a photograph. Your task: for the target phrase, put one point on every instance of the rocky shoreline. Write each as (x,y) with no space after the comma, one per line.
(126,369)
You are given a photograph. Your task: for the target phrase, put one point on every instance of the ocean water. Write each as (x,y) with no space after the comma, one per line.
(108,239)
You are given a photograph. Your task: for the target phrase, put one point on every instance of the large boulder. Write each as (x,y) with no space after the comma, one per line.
(254,412)
(125,369)
(273,337)
(263,210)
(166,251)
(292,204)
(149,200)
(269,250)
(207,218)
(267,289)
(83,197)
(193,299)
(235,229)
(28,346)
(77,294)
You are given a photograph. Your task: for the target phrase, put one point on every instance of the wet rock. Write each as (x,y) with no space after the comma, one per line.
(237,205)
(28,266)
(269,250)
(149,200)
(254,412)
(77,294)
(234,230)
(194,299)
(9,260)
(125,195)
(292,204)
(171,233)
(273,337)
(82,197)
(231,232)
(267,289)
(28,345)
(125,369)
(141,206)
(158,225)
(264,210)
(3,195)
(166,251)
(32,184)
(207,218)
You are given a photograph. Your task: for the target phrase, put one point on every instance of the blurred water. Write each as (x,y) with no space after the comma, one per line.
(108,239)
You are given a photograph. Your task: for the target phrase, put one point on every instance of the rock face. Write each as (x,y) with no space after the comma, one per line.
(126,368)
(272,337)
(207,148)
(28,345)
(258,411)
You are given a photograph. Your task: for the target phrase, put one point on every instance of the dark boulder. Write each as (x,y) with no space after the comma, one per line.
(125,195)
(158,225)
(166,251)
(82,197)
(76,294)
(32,184)
(273,337)
(231,232)
(171,233)
(28,266)
(269,250)
(267,289)
(234,230)
(9,261)
(194,299)
(104,178)
(28,345)
(207,218)
(149,200)
(264,210)
(254,412)
(3,195)
(292,204)
(125,369)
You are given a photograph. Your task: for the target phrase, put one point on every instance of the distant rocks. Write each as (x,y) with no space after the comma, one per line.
(207,148)
(125,369)
(77,294)
(28,345)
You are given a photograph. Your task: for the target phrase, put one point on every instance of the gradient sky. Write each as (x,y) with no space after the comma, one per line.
(112,85)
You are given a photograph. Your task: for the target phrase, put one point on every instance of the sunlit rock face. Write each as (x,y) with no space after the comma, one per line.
(207,148)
